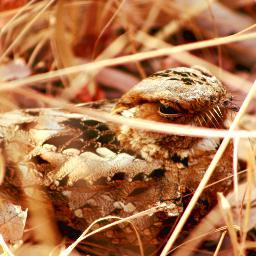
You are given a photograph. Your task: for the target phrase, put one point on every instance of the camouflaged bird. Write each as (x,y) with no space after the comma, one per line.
(90,169)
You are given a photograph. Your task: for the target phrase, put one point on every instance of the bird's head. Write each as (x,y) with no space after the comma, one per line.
(177,95)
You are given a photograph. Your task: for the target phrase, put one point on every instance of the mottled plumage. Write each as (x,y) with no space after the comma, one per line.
(91,169)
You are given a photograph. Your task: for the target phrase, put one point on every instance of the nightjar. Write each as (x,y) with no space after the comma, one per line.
(89,169)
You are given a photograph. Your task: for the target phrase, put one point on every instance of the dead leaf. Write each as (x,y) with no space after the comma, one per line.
(12,221)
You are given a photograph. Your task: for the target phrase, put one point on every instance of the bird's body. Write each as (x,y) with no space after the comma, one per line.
(100,169)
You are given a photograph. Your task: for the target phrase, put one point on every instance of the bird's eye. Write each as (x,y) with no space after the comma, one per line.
(167,110)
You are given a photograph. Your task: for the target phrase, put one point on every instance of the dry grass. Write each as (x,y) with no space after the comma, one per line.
(43,34)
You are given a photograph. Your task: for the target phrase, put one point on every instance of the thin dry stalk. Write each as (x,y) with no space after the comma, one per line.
(192,242)
(154,126)
(115,14)
(6,249)
(113,49)
(34,40)
(25,30)
(41,212)
(19,20)
(65,53)
(227,215)
(124,59)
(2,167)
(173,26)
(220,243)
(189,59)
(218,181)
(235,171)
(15,16)
(213,219)
(85,234)
(10,13)
(153,13)
(36,50)
(250,245)
(244,227)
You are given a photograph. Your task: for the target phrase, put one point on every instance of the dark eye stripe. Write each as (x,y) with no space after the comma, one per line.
(167,110)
